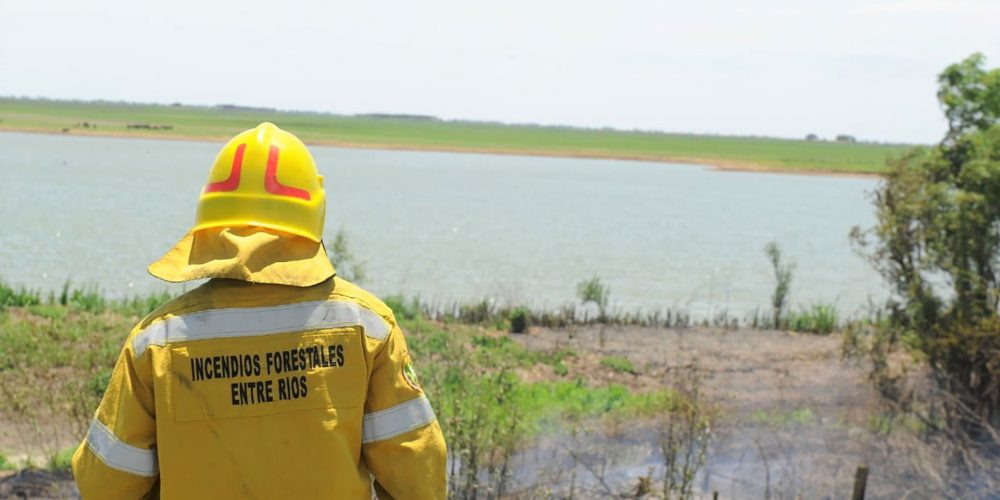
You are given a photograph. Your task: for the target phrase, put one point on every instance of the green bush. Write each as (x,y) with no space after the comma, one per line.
(937,243)
(519,319)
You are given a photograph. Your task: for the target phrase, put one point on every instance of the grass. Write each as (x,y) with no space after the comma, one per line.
(62,460)
(57,353)
(818,318)
(619,364)
(20,296)
(800,416)
(217,123)
(488,412)
(6,464)
(56,357)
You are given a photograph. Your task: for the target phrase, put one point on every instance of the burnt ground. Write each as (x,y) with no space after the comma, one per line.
(37,484)
(793,419)
(744,371)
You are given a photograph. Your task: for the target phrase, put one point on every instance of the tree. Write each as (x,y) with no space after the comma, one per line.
(937,243)
(970,96)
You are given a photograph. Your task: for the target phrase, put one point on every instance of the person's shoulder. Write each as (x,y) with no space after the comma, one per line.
(185,303)
(191,301)
(333,301)
(346,290)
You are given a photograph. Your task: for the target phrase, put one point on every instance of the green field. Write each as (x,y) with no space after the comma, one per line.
(412,133)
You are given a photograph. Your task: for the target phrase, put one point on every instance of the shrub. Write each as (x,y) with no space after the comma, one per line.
(594,291)
(783,282)
(519,319)
(937,243)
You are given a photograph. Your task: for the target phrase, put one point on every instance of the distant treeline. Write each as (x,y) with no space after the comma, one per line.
(399,116)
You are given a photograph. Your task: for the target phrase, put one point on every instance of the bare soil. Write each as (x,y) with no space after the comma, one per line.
(795,419)
(746,370)
(37,484)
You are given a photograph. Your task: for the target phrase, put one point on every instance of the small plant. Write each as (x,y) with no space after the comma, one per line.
(401,308)
(783,281)
(142,305)
(343,259)
(818,318)
(476,312)
(61,460)
(596,292)
(89,299)
(19,297)
(685,431)
(620,364)
(6,464)
(519,319)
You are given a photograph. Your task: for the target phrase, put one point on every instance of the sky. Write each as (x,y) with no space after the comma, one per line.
(781,68)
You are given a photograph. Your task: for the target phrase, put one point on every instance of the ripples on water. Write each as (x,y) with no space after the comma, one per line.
(449,226)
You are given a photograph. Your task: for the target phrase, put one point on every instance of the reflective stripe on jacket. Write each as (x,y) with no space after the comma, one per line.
(241,390)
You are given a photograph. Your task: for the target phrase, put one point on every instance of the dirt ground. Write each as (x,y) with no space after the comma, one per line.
(37,484)
(794,418)
(745,370)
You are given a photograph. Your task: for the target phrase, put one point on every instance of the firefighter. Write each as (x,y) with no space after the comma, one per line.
(275,378)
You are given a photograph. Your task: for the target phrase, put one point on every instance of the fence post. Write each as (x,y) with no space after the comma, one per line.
(860,483)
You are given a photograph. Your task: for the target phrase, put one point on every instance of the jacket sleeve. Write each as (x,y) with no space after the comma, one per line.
(402,443)
(117,459)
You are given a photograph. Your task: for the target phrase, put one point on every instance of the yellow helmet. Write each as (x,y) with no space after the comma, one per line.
(264,177)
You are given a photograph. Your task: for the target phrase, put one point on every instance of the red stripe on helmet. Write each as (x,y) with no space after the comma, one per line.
(233,181)
(271,183)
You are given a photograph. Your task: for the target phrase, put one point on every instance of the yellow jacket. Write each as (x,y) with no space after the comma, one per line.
(244,390)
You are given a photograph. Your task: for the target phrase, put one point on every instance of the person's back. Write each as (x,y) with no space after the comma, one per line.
(274,379)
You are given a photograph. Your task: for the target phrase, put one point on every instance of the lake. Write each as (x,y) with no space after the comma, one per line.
(449,226)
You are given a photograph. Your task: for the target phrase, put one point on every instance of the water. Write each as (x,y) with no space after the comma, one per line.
(453,226)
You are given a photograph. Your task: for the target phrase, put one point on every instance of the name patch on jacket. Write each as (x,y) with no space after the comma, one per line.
(252,376)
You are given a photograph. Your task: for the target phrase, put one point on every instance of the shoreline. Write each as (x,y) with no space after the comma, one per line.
(718,164)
